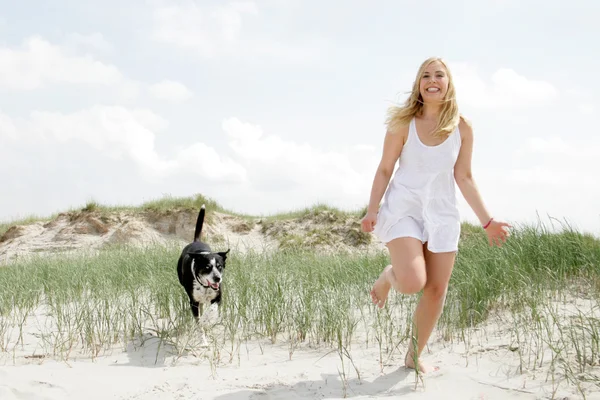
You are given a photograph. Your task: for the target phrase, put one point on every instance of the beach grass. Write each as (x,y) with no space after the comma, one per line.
(545,286)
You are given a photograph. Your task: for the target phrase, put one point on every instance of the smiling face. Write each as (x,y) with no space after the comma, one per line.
(433,86)
(434,82)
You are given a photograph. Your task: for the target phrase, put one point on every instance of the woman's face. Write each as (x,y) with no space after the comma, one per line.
(434,83)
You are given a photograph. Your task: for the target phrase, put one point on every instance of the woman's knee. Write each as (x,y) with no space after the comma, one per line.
(439,266)
(435,291)
(410,279)
(408,265)
(411,286)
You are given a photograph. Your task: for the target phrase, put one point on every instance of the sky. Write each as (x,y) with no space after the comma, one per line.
(274,105)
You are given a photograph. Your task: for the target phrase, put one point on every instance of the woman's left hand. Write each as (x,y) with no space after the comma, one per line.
(497,232)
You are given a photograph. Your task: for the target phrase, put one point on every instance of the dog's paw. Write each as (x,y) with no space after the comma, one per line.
(203,340)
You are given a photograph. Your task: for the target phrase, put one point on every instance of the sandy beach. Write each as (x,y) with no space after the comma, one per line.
(261,370)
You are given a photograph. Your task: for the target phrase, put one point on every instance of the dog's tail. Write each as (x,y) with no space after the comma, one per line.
(199,223)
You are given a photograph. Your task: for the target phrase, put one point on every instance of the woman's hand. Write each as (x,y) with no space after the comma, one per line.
(368,222)
(497,232)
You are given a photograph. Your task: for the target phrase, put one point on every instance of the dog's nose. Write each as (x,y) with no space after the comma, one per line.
(217,279)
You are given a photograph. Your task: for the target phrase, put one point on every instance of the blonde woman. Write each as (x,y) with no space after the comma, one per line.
(419,221)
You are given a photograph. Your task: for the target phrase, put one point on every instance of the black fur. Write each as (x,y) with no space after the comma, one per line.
(200,271)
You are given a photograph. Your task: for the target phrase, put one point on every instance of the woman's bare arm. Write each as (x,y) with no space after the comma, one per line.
(464,177)
(495,230)
(392,147)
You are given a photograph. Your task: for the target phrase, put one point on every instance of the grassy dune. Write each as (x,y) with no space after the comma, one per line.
(170,203)
(166,203)
(543,286)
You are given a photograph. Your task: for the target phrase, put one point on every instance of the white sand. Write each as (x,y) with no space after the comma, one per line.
(260,370)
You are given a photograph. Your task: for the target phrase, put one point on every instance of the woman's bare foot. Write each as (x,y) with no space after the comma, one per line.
(409,362)
(381,289)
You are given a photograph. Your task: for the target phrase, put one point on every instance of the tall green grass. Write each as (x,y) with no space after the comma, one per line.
(302,298)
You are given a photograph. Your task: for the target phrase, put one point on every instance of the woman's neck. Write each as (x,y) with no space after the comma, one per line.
(430,111)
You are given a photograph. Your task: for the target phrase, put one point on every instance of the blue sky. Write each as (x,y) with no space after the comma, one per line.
(273,105)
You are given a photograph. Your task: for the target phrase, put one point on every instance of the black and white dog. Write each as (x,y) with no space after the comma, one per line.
(200,273)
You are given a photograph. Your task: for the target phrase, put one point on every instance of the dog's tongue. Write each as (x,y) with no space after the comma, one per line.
(214,285)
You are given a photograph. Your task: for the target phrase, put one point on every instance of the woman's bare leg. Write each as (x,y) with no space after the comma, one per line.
(407,272)
(439,269)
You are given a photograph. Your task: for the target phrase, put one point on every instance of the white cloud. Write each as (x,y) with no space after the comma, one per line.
(207,162)
(587,108)
(119,132)
(552,176)
(566,163)
(538,175)
(582,98)
(551,145)
(171,91)
(577,151)
(214,31)
(555,162)
(7,127)
(93,41)
(116,131)
(129,90)
(297,174)
(208,30)
(39,63)
(506,88)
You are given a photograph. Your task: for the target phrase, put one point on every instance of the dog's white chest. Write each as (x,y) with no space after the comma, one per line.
(202,294)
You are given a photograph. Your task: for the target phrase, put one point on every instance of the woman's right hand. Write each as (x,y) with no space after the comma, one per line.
(368,222)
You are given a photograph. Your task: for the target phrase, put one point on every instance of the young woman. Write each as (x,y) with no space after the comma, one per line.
(419,220)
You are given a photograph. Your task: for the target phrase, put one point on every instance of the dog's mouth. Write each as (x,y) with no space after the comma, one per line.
(208,284)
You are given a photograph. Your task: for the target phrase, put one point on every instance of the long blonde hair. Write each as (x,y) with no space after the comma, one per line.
(449,116)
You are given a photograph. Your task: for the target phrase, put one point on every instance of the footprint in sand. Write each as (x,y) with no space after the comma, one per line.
(36,390)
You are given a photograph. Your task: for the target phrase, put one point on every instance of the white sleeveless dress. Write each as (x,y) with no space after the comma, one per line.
(420,201)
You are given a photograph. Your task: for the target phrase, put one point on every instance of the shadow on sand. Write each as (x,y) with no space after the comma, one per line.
(329,387)
(148,351)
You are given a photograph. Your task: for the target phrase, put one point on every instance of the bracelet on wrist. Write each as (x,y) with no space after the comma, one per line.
(488,223)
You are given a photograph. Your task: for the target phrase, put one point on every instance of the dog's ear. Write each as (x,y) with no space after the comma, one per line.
(223,254)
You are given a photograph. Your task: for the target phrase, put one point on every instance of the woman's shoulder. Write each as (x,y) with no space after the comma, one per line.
(464,121)
(399,127)
(465,126)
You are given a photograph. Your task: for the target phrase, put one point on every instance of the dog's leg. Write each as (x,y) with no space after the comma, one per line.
(198,311)
(195,306)
(216,304)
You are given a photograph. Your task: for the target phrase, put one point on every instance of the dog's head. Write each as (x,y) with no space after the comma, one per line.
(207,267)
